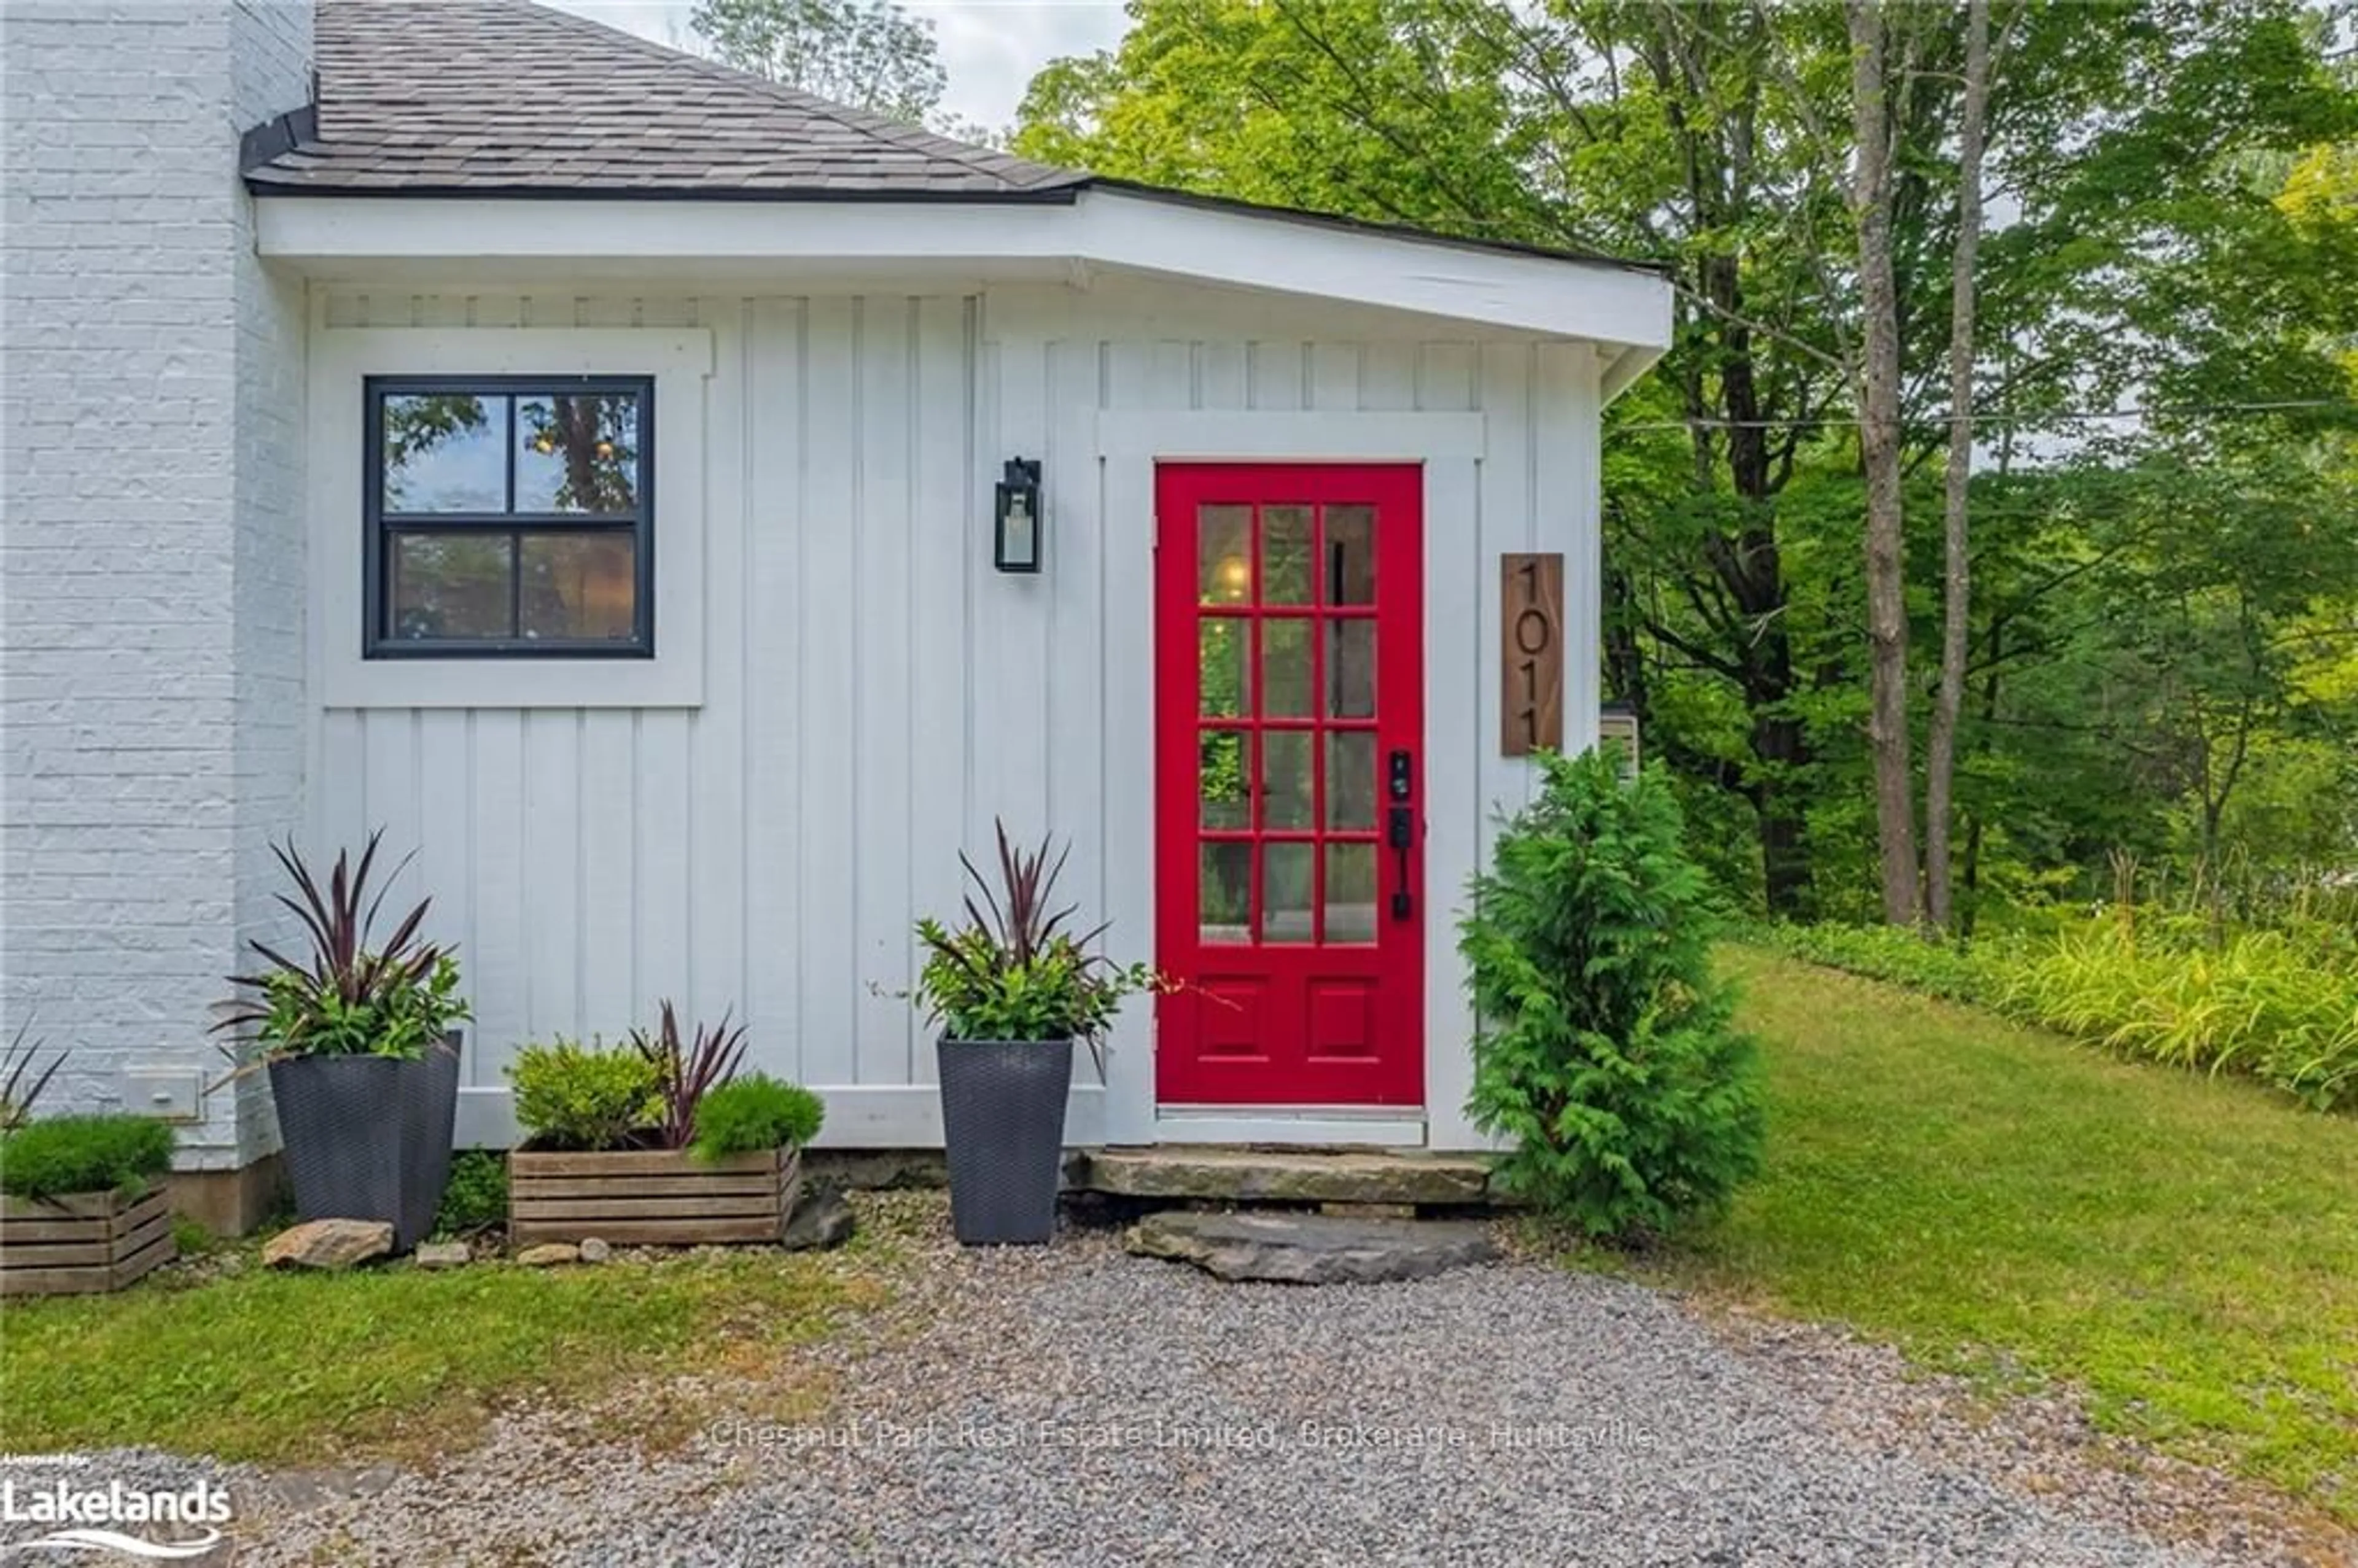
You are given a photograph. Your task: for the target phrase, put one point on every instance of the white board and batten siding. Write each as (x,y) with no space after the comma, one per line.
(871,695)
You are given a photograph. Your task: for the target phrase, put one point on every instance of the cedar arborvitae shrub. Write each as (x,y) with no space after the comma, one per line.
(1605,1050)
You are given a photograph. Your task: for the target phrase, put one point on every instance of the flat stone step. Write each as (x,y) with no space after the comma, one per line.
(1310,1248)
(1289,1176)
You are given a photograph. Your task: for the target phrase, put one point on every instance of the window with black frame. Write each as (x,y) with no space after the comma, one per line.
(510,516)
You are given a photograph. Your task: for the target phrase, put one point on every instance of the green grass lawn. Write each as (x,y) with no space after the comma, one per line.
(1996,1201)
(396,1362)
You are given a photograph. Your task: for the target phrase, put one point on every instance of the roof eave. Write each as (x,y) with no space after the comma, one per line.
(1091,225)
(277,183)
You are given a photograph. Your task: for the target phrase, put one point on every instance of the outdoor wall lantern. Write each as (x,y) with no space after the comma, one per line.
(1015,536)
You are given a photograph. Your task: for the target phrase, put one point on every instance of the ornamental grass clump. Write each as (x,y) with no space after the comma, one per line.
(2279,1005)
(754,1114)
(93,1153)
(1604,1048)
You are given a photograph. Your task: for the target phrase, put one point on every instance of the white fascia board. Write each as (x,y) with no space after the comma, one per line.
(1597,301)
(326,230)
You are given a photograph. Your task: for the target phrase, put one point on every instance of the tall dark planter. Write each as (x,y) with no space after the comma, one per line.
(369,1137)
(1004,1121)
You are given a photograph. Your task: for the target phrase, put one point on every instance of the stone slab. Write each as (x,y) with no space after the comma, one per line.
(327,1244)
(1252,1175)
(1311,1250)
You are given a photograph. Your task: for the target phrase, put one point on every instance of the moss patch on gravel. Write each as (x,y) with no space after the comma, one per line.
(1996,1201)
(396,1362)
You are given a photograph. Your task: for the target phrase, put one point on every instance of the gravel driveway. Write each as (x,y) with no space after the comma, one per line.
(1082,1406)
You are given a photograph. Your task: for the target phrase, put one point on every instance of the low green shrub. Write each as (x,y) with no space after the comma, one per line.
(477,1196)
(1960,972)
(84,1154)
(584,1098)
(748,1115)
(1604,1048)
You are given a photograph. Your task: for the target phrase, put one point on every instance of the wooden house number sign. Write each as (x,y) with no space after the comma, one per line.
(1530,654)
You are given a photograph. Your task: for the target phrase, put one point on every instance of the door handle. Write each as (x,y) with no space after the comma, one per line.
(1400,832)
(1400,826)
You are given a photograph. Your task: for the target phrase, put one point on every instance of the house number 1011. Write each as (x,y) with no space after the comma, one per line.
(1531,714)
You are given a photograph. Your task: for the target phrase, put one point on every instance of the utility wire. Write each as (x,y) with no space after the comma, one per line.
(2076,416)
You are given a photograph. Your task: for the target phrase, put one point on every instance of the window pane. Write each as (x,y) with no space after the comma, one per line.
(1285,891)
(1220,779)
(1285,555)
(1351,668)
(1351,779)
(1224,893)
(578,453)
(1286,784)
(449,585)
(1220,651)
(1350,892)
(578,587)
(445,451)
(1350,576)
(1223,555)
(1285,669)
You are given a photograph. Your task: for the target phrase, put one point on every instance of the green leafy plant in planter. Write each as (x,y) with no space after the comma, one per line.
(666,1106)
(753,1113)
(585,1099)
(82,1204)
(94,1153)
(1013,990)
(360,1040)
(1604,1048)
(687,1067)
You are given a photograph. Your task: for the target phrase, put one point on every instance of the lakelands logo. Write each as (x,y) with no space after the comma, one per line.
(91,1517)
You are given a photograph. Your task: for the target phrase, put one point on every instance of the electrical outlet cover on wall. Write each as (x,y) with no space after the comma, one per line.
(174,1094)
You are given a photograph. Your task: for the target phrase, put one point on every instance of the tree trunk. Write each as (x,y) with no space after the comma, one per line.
(1956,586)
(1878,409)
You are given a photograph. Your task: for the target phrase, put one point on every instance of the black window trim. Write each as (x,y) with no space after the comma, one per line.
(379,526)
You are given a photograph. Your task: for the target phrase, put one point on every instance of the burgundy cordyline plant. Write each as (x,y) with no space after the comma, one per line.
(689,1068)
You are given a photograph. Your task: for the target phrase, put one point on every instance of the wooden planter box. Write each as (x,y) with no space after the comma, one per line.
(81,1243)
(651,1198)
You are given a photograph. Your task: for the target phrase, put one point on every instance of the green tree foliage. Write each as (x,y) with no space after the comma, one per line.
(868,54)
(1605,1050)
(2172,227)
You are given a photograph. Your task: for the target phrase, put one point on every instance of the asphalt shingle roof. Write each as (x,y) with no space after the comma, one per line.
(490,97)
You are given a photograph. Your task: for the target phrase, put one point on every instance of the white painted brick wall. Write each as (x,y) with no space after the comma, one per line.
(151,658)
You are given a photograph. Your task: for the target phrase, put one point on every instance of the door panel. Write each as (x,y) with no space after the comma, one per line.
(1289,814)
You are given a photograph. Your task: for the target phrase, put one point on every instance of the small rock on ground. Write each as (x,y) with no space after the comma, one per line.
(1311,1250)
(327,1244)
(595,1250)
(443,1255)
(549,1254)
(821,1220)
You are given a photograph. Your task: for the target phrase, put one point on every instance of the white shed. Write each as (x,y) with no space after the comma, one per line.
(652,421)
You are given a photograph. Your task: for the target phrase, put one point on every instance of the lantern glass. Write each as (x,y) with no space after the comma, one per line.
(1016,521)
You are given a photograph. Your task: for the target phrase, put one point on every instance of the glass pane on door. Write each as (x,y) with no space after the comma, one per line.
(1288,875)
(1223,892)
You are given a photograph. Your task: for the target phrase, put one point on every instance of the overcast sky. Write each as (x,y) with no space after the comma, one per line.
(991,48)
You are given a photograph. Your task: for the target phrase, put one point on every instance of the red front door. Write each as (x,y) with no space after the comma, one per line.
(1289,790)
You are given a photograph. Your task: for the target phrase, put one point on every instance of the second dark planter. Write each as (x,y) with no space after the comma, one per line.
(1003,1123)
(369,1137)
